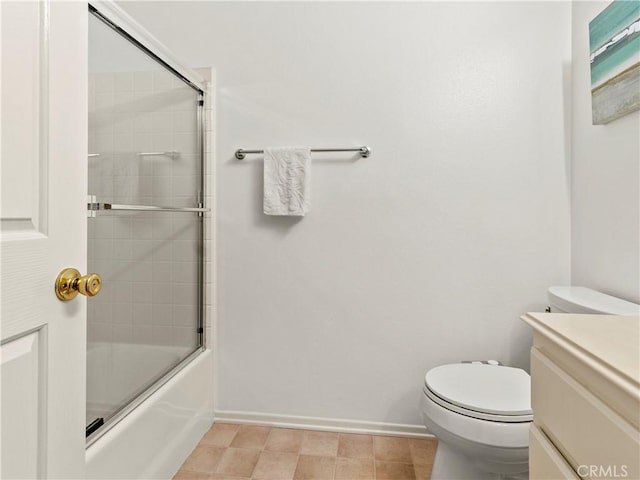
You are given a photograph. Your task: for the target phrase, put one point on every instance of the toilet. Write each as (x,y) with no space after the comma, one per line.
(481,411)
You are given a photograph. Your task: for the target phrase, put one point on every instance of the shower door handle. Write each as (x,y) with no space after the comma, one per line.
(69,283)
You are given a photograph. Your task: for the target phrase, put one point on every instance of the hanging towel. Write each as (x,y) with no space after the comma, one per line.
(287,180)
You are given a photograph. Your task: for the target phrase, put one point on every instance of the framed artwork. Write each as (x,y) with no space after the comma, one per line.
(614,38)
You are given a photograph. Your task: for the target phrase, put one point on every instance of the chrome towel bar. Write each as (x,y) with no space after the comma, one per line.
(149,208)
(171,153)
(364,151)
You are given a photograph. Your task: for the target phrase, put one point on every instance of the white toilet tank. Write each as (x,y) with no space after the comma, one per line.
(585,300)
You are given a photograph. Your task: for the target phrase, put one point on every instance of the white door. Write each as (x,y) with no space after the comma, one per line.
(43,210)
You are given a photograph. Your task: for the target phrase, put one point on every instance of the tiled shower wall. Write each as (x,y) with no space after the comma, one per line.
(148,260)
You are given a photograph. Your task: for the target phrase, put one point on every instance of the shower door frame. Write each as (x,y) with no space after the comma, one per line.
(125,26)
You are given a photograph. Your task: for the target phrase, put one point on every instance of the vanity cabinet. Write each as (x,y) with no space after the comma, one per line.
(585,395)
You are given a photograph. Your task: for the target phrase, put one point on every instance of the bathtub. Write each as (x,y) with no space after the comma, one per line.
(155,438)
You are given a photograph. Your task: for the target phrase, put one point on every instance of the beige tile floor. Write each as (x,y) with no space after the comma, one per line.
(234,452)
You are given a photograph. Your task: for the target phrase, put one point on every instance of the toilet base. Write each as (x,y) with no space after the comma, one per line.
(451,465)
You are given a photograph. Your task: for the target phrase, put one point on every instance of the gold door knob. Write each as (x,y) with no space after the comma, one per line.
(69,283)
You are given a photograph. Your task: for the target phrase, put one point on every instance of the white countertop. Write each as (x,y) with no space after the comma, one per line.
(613,340)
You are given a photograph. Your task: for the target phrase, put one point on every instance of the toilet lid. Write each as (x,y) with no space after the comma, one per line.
(493,389)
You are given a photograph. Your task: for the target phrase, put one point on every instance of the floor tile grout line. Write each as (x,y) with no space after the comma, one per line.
(335,457)
(375,473)
(335,460)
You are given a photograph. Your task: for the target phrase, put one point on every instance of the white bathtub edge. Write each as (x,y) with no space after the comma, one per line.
(154,440)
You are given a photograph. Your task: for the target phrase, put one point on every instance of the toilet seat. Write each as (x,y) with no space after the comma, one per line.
(485,392)
(446,423)
(474,414)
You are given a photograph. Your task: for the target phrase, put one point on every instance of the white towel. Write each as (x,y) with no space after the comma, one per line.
(287,180)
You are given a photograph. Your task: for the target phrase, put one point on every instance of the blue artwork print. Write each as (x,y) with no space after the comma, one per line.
(614,37)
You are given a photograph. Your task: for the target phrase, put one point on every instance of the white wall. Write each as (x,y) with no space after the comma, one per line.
(605,182)
(423,254)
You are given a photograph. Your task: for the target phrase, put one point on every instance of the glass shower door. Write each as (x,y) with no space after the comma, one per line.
(145,227)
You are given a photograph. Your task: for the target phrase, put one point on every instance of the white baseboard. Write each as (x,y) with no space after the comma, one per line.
(322,424)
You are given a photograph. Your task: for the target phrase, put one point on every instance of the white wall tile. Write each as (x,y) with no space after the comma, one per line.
(123,292)
(162,314)
(141,314)
(104,102)
(162,270)
(162,335)
(162,250)
(183,315)
(185,293)
(104,144)
(123,102)
(184,251)
(144,186)
(143,81)
(103,249)
(185,164)
(122,227)
(185,143)
(142,230)
(121,271)
(123,143)
(161,227)
(122,250)
(162,123)
(122,333)
(123,123)
(161,143)
(142,122)
(103,226)
(184,336)
(183,99)
(185,185)
(141,271)
(143,334)
(143,293)
(123,82)
(163,80)
(99,332)
(162,177)
(122,313)
(184,272)
(103,312)
(184,122)
(143,255)
(162,295)
(141,249)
